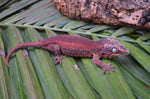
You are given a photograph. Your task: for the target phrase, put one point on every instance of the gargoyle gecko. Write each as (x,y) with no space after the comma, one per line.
(77,46)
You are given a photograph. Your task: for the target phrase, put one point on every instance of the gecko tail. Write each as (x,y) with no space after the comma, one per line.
(22,46)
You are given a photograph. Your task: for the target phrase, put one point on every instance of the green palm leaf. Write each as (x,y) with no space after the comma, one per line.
(32,73)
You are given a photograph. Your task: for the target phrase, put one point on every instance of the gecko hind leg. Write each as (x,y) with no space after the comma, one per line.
(57,51)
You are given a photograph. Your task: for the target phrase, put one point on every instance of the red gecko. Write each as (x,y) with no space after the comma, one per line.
(77,46)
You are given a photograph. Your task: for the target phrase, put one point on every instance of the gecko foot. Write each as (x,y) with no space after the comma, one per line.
(108,68)
(58,59)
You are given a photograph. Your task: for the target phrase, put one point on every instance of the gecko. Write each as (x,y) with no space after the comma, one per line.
(76,46)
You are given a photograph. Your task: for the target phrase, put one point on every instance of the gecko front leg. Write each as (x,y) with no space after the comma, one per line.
(57,51)
(105,67)
(58,59)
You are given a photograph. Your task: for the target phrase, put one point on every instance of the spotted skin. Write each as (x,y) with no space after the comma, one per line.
(76,46)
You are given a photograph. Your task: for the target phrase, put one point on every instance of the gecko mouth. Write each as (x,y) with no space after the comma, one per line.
(124,53)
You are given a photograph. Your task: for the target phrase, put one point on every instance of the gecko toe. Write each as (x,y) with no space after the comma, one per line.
(103,71)
(112,66)
(112,70)
(108,72)
(56,63)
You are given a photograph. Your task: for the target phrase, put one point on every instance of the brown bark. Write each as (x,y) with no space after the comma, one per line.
(114,12)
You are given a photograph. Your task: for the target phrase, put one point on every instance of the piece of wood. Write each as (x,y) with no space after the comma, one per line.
(134,13)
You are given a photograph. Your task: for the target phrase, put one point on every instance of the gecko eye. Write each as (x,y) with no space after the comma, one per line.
(114,50)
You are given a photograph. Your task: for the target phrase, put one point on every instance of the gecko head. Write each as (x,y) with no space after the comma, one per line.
(113,48)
